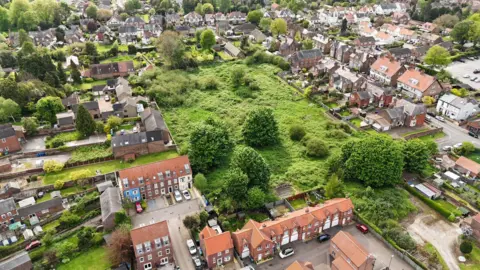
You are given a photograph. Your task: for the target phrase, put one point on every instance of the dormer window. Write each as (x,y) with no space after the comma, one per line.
(167,173)
(160,176)
(413,81)
(383,68)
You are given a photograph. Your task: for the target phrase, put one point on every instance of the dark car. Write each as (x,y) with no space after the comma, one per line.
(362,228)
(476,71)
(473,134)
(461,60)
(323,237)
(33,245)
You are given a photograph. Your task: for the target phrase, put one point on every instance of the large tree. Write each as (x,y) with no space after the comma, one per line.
(446,20)
(260,128)
(207,39)
(132,5)
(278,27)
(334,187)
(416,155)
(236,185)
(9,109)
(45,10)
(224,5)
(30,124)
(209,145)
(18,8)
(171,47)
(121,248)
(84,122)
(91,11)
(374,161)
(460,32)
(437,56)
(48,107)
(256,198)
(265,24)
(255,16)
(251,163)
(4,19)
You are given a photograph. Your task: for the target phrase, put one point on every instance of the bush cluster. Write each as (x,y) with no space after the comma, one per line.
(260,57)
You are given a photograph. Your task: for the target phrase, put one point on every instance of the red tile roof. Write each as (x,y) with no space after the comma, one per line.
(341,263)
(149,233)
(386,65)
(176,166)
(355,252)
(468,164)
(296,265)
(416,79)
(215,243)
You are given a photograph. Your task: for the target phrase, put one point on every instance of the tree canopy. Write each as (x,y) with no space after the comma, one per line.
(416,155)
(278,27)
(84,122)
(252,164)
(171,47)
(260,128)
(207,39)
(254,16)
(48,107)
(437,56)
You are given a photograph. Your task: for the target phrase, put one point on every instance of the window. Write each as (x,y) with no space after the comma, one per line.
(219,254)
(4,216)
(125,182)
(156,191)
(159,253)
(162,184)
(141,259)
(167,251)
(140,180)
(139,248)
(267,245)
(175,180)
(160,176)
(147,266)
(259,248)
(158,243)
(4,140)
(142,189)
(148,246)
(164,260)
(169,182)
(149,257)
(9,214)
(155,185)
(167,173)
(226,259)
(166,241)
(227,251)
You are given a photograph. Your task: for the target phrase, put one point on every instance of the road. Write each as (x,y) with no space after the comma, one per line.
(454,134)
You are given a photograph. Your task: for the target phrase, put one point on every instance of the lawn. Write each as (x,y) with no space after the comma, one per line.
(126,127)
(448,206)
(345,113)
(105,48)
(51,225)
(86,153)
(356,121)
(414,132)
(331,105)
(107,167)
(298,204)
(429,171)
(473,260)
(63,137)
(65,192)
(433,252)
(435,136)
(475,156)
(287,160)
(118,58)
(225,56)
(93,259)
(89,85)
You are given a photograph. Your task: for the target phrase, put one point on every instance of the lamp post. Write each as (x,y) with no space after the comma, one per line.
(391,258)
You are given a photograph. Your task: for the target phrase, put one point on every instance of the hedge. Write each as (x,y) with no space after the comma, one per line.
(131,119)
(445,213)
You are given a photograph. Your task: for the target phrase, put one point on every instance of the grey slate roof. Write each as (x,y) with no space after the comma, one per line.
(364,95)
(7,205)
(364,39)
(25,211)
(396,113)
(90,105)
(6,131)
(136,138)
(19,261)
(104,185)
(153,120)
(110,202)
(400,51)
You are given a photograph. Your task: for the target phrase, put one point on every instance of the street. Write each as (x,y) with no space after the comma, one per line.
(453,134)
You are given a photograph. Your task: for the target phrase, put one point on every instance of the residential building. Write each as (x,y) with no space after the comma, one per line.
(153,120)
(404,113)
(110,204)
(172,19)
(347,253)
(20,261)
(386,70)
(467,167)
(383,38)
(122,89)
(289,46)
(129,107)
(474,127)
(135,21)
(475,225)
(430,39)
(456,108)
(298,265)
(91,106)
(232,50)
(193,19)
(360,98)
(128,34)
(114,22)
(400,18)
(244,29)
(73,99)
(341,51)
(236,17)
(11,138)
(8,211)
(41,210)
(110,70)
(385,9)
(324,43)
(429,27)
(402,55)
(346,81)
(259,240)
(380,96)
(129,146)
(155,179)
(257,36)
(414,113)
(305,58)
(416,84)
(217,247)
(66,119)
(361,61)
(364,42)
(153,246)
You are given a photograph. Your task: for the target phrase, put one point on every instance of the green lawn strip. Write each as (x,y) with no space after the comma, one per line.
(66,137)
(331,105)
(287,160)
(298,204)
(430,170)
(450,207)
(86,153)
(126,127)
(89,85)
(435,136)
(105,48)
(475,156)
(51,225)
(434,252)
(107,167)
(414,132)
(92,259)
(356,121)
(225,56)
(473,259)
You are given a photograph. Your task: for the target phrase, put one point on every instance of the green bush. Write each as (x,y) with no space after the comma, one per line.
(52,166)
(466,247)
(92,152)
(297,132)
(317,148)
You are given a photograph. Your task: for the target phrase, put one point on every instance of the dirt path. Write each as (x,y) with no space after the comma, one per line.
(429,226)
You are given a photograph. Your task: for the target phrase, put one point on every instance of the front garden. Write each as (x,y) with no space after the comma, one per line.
(61,138)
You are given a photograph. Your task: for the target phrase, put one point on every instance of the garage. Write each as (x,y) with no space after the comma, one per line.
(285,239)
(294,235)
(327,224)
(245,252)
(335,220)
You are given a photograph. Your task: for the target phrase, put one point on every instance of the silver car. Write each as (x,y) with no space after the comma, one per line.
(178,196)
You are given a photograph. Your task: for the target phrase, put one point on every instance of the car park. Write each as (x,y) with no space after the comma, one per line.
(473,134)
(178,196)
(439,118)
(187,195)
(138,207)
(362,228)
(32,245)
(191,246)
(323,237)
(197,262)
(286,253)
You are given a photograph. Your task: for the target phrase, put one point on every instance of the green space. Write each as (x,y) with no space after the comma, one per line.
(435,136)
(225,56)
(356,121)
(93,259)
(473,259)
(287,160)
(233,223)
(415,132)
(345,112)
(429,171)
(126,126)
(105,48)
(331,104)
(200,55)
(86,153)
(89,85)
(51,225)
(298,204)
(107,167)
(62,138)
(449,207)
(433,253)
(475,156)
(121,58)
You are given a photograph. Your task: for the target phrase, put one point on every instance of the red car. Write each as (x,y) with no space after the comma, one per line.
(138,207)
(33,245)
(362,228)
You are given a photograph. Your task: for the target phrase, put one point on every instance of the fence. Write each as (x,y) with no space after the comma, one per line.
(423,133)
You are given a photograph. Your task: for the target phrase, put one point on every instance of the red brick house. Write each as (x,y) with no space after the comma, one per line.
(347,253)
(365,42)
(306,58)
(10,138)
(475,225)
(152,245)
(467,167)
(42,209)
(8,212)
(217,248)
(386,70)
(138,144)
(298,265)
(110,70)
(259,240)
(417,84)
(360,99)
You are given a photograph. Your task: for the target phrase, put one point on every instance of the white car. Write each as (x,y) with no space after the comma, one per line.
(186,194)
(439,160)
(135,129)
(466,76)
(439,118)
(447,148)
(178,196)
(286,253)
(191,246)
(458,145)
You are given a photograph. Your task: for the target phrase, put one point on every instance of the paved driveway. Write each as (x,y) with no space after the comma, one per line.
(458,70)
(29,163)
(454,134)
(34,144)
(91,139)
(317,253)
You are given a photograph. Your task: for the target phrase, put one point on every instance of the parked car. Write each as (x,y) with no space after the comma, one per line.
(32,245)
(122,132)
(447,148)
(248,267)
(40,194)
(286,253)
(473,134)
(323,237)
(138,207)
(186,194)
(466,76)
(476,71)
(135,130)
(197,262)
(362,228)
(458,145)
(428,118)
(439,118)
(473,78)
(107,98)
(191,246)
(178,196)
(439,160)
(461,60)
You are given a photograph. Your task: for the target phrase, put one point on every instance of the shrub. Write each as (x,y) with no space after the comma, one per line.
(466,247)
(317,148)
(451,218)
(254,86)
(52,166)
(58,185)
(337,134)
(297,132)
(209,83)
(81,174)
